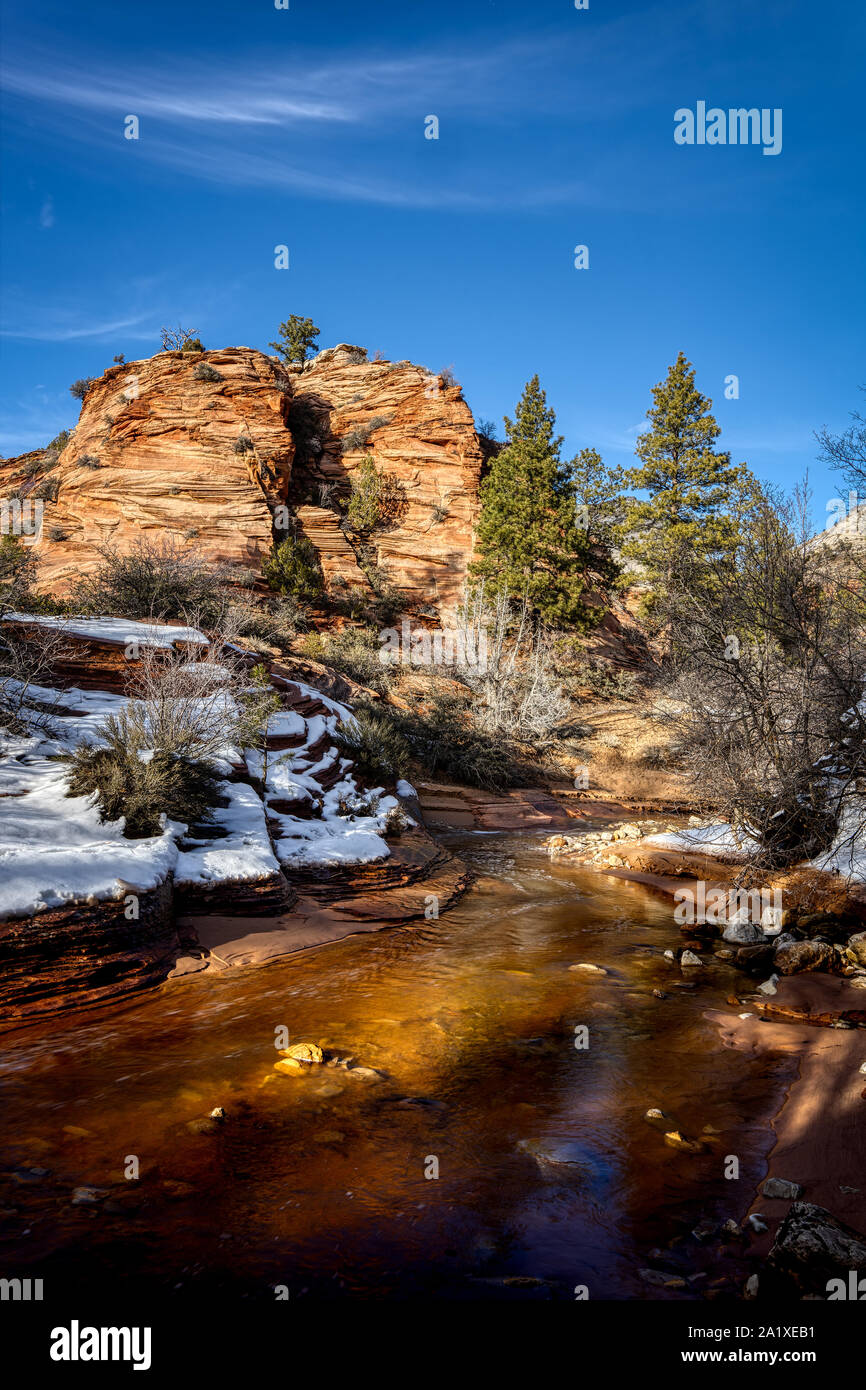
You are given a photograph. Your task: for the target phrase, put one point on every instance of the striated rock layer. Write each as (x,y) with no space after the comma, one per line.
(417,428)
(160,453)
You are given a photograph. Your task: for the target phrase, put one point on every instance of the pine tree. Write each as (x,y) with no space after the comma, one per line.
(528,542)
(693,489)
(298,337)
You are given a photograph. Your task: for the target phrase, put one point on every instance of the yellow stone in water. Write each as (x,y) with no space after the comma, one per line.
(303,1052)
(677,1141)
(288,1065)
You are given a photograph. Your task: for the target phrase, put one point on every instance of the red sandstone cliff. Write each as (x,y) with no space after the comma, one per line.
(160,452)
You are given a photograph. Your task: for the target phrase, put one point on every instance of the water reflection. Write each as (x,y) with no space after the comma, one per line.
(547,1169)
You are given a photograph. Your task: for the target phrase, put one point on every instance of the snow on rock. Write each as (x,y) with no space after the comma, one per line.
(54,851)
(719,838)
(121,630)
(349,824)
(242,855)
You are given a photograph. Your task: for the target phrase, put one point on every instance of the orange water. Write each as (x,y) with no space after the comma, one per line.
(317,1182)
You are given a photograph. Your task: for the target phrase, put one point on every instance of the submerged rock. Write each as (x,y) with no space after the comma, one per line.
(88,1196)
(742,933)
(857,947)
(781,1187)
(675,1140)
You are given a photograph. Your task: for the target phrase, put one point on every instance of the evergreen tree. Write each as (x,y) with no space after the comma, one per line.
(597,495)
(298,337)
(694,491)
(528,542)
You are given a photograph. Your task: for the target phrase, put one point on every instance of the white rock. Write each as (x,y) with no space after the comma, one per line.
(769,986)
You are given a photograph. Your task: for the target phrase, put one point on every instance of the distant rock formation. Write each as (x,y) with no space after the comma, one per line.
(203,448)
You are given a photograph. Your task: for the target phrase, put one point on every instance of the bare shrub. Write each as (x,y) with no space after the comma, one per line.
(157,580)
(28,668)
(161,755)
(768,658)
(517,695)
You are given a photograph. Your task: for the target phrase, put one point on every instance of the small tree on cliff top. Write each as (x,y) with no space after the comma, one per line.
(298,337)
(528,542)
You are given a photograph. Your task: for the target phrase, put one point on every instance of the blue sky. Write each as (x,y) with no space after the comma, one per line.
(305,127)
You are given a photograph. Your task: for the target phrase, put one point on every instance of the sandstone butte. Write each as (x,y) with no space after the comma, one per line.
(159,453)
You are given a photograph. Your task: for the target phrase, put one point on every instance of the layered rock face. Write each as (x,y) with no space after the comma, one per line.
(161,453)
(201,448)
(415,427)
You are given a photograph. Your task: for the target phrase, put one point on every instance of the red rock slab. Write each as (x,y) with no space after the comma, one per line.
(820,1129)
(402,904)
(237,941)
(816,999)
(524,808)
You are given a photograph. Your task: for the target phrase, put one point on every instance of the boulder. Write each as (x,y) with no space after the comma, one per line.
(417,428)
(857,947)
(157,454)
(812,1247)
(742,933)
(799,956)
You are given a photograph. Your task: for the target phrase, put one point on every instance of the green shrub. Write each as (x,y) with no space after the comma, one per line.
(354,438)
(88,461)
(376,500)
(609,682)
(298,337)
(445,741)
(293,568)
(243,444)
(17,572)
(123,785)
(374,743)
(60,441)
(48,489)
(205,372)
(278,621)
(355,651)
(33,466)
(80,388)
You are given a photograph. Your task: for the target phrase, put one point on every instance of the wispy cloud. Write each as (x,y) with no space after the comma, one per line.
(227,119)
(213,96)
(51,329)
(46,213)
